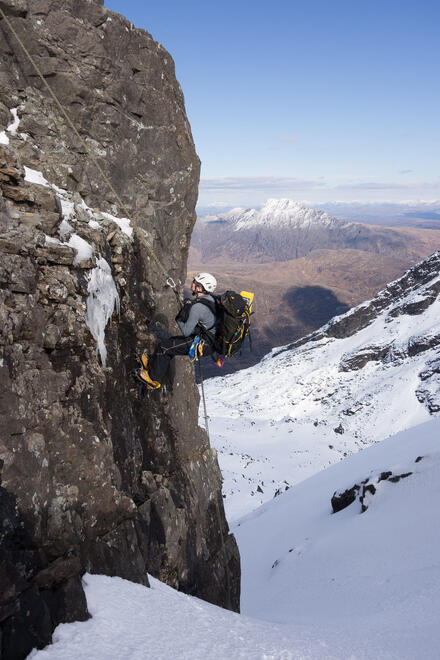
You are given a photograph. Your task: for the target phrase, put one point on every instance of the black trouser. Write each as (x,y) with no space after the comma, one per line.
(160,361)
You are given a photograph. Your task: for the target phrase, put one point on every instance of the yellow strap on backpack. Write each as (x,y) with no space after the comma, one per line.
(249,297)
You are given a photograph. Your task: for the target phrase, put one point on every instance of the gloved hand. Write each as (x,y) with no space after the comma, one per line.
(184,312)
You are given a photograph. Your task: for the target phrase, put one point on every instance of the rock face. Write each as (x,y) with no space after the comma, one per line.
(93,475)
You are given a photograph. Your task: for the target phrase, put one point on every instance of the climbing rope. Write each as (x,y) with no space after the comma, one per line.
(219,520)
(168,279)
(203,399)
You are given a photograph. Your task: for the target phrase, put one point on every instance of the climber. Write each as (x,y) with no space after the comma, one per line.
(194,318)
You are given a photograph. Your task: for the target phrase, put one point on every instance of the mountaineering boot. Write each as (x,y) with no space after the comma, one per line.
(143,360)
(144,377)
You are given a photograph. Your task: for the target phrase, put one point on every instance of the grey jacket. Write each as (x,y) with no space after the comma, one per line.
(198,314)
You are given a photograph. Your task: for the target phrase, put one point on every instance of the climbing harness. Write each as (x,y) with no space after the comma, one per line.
(196,349)
(168,279)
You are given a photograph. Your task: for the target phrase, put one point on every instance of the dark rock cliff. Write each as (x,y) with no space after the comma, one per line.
(94,476)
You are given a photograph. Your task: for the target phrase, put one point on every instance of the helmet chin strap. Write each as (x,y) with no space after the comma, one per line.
(198,292)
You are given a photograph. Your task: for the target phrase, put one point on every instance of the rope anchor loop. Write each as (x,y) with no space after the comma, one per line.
(170,282)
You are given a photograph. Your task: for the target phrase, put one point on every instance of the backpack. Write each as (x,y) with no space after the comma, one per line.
(233,312)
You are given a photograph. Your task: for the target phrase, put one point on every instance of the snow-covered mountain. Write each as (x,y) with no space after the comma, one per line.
(284,213)
(364,376)
(284,229)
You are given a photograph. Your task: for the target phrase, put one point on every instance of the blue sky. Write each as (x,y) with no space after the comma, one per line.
(321,100)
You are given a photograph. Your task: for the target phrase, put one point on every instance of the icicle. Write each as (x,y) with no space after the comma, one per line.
(101,301)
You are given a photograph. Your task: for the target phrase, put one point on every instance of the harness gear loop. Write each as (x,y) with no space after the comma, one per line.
(196,349)
(83,143)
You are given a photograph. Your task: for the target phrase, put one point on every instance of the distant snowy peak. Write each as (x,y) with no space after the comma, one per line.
(277,213)
(285,213)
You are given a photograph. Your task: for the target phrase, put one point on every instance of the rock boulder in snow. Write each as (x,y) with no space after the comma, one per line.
(364,490)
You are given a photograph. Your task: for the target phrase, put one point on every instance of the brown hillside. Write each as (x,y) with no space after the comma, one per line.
(297,296)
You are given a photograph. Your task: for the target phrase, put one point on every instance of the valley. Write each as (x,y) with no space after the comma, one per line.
(296,296)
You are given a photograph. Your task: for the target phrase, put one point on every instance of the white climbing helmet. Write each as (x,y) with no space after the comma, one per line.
(207,281)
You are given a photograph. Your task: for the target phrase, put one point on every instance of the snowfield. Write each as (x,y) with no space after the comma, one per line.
(372,575)
(349,585)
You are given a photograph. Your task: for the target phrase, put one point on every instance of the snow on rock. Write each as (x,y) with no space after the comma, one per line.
(355,382)
(102,296)
(373,575)
(70,208)
(52,239)
(34,176)
(64,229)
(84,251)
(67,204)
(71,204)
(102,299)
(11,128)
(123,223)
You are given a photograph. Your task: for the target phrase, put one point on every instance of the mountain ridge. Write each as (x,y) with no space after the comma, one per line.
(366,374)
(276,213)
(284,229)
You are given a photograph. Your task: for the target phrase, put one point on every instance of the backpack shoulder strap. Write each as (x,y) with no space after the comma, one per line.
(211,304)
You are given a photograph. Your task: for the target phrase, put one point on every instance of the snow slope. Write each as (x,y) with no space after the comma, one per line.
(133,622)
(303,408)
(321,585)
(375,575)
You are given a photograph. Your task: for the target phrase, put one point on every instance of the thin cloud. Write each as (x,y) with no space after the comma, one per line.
(259,183)
(379,185)
(255,190)
(406,171)
(289,138)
